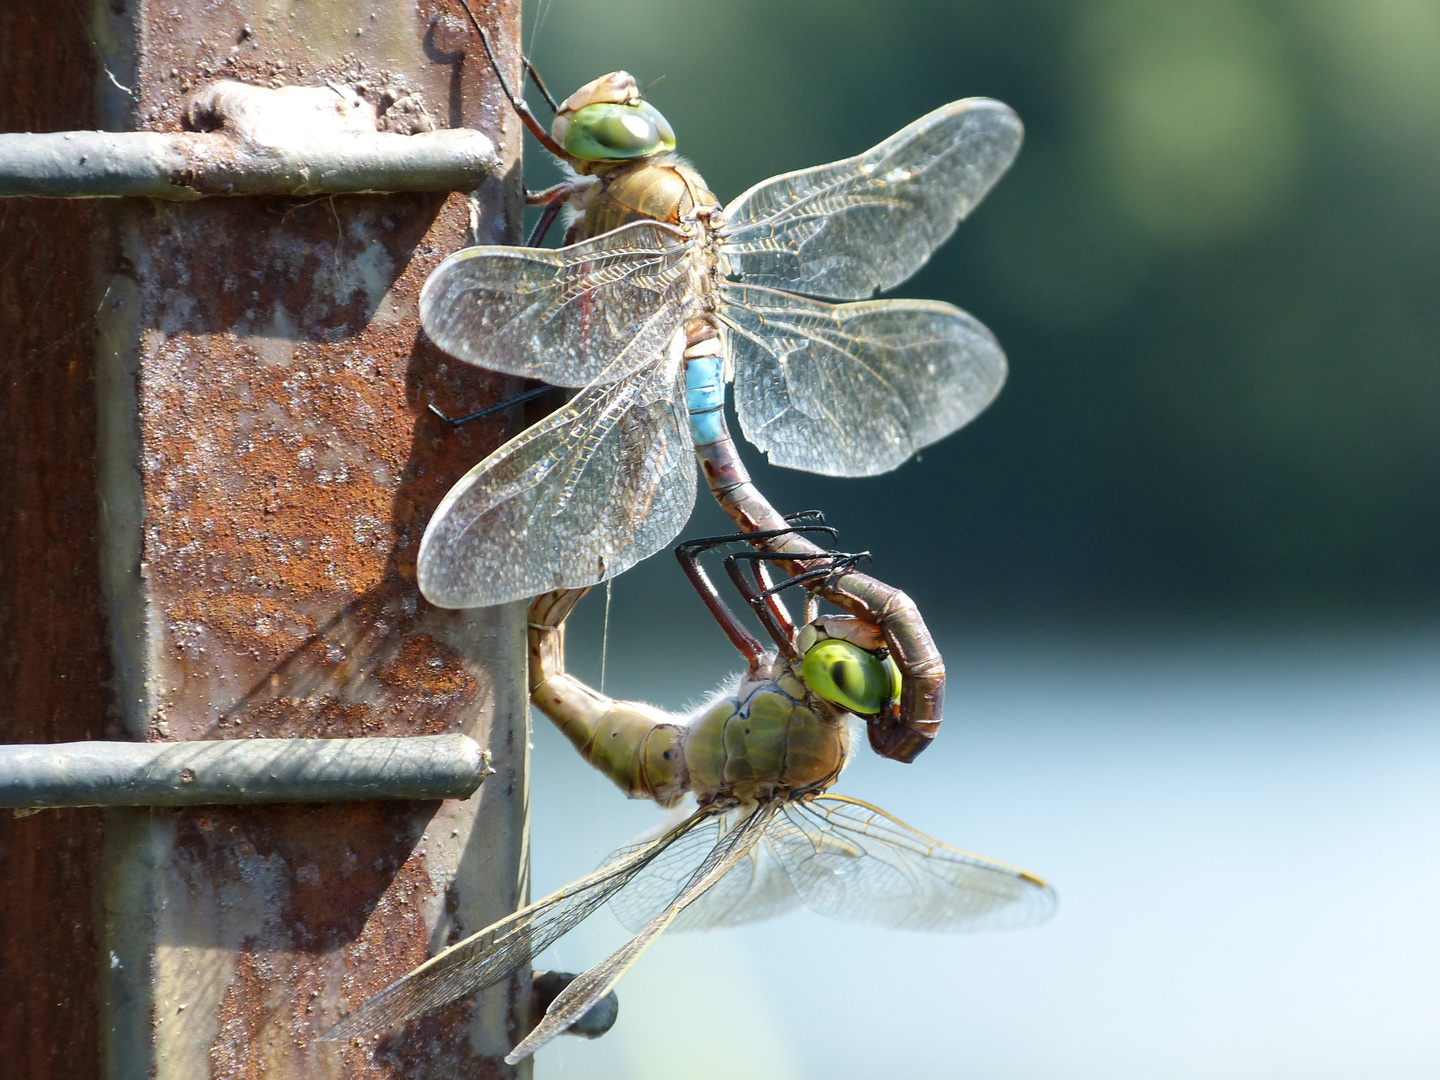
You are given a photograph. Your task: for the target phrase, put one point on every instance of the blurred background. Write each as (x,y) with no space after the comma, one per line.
(1185,571)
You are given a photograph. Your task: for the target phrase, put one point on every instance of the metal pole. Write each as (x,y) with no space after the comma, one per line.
(217,467)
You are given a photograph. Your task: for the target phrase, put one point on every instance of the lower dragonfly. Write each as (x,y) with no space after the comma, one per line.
(766,835)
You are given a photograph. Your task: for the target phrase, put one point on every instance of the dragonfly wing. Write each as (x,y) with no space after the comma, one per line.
(591,985)
(846,229)
(585,494)
(501,949)
(855,389)
(852,861)
(598,309)
(757,886)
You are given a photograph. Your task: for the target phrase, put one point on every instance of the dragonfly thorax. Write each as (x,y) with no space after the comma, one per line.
(660,189)
(770,738)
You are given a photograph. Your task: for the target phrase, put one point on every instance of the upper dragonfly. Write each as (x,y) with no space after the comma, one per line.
(661,296)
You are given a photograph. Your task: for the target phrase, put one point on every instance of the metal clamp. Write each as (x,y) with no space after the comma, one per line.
(252,140)
(39,776)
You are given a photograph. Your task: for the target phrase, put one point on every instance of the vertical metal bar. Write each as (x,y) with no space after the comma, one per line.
(54,662)
(223,546)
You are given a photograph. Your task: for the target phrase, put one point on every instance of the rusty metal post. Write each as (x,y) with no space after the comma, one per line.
(215,467)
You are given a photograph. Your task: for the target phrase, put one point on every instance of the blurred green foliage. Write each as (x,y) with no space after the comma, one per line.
(1214,267)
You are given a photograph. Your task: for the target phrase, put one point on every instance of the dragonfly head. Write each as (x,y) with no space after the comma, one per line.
(843,661)
(607,120)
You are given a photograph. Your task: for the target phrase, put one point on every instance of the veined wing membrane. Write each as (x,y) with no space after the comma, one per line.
(855,389)
(756,887)
(572,315)
(854,862)
(595,487)
(493,954)
(593,984)
(846,229)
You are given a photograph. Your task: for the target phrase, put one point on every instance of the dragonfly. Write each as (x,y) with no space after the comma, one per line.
(660,297)
(766,834)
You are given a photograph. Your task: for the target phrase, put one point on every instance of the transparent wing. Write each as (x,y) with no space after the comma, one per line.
(590,986)
(597,309)
(583,495)
(493,954)
(855,389)
(756,888)
(854,862)
(846,229)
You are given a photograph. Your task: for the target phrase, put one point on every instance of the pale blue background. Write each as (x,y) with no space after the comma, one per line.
(1245,837)
(1184,572)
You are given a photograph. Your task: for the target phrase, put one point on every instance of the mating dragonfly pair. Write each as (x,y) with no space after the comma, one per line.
(642,314)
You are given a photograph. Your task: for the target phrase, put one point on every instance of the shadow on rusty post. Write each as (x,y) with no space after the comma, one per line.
(346,415)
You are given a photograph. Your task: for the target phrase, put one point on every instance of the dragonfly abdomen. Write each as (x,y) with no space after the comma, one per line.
(636,745)
(705,392)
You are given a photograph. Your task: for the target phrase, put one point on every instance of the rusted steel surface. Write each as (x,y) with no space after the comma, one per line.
(54,663)
(266,468)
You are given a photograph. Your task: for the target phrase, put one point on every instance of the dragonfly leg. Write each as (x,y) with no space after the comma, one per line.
(805,522)
(553,199)
(760,574)
(688,554)
(517,103)
(547,218)
(775,622)
(766,601)
(766,604)
(540,84)
(840,562)
(519,399)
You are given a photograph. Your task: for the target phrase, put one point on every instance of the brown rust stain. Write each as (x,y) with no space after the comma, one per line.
(288,461)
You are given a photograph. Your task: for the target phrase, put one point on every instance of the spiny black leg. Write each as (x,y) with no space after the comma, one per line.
(706,543)
(520,399)
(760,573)
(840,562)
(777,623)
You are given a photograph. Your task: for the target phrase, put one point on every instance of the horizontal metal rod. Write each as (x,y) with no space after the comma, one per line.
(192,165)
(37,776)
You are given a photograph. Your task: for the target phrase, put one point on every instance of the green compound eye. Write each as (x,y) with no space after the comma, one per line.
(607,132)
(846,675)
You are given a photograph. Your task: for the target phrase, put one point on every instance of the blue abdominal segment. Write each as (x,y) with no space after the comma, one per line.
(705,398)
